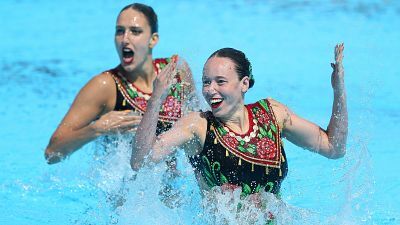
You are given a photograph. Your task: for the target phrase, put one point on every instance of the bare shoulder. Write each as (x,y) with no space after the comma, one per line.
(103,81)
(281,111)
(277,107)
(99,92)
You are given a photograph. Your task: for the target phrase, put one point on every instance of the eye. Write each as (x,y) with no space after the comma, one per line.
(136,31)
(221,82)
(206,83)
(119,31)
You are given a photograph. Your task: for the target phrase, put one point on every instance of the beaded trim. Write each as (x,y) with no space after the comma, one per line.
(262,146)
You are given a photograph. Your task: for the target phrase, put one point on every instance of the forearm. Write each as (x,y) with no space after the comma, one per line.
(146,133)
(63,144)
(338,125)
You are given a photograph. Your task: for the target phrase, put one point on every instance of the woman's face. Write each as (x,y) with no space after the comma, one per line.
(133,39)
(222,89)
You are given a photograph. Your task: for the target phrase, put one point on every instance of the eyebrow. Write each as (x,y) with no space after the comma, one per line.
(130,27)
(220,76)
(217,77)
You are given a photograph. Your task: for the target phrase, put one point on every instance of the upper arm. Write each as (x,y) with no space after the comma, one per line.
(300,131)
(93,100)
(187,131)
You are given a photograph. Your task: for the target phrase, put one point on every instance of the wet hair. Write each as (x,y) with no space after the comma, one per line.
(147,11)
(242,64)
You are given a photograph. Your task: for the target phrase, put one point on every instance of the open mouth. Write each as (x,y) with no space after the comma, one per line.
(216,102)
(127,55)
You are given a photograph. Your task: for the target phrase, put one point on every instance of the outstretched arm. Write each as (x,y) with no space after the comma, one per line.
(338,124)
(331,142)
(146,143)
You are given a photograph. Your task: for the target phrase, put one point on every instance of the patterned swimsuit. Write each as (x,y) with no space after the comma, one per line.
(130,97)
(255,161)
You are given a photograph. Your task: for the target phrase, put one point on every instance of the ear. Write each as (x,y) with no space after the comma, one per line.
(153,40)
(245,84)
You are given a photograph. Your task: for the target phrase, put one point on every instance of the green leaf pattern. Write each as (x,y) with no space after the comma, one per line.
(212,173)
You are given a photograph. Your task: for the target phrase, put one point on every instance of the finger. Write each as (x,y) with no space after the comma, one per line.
(172,71)
(127,130)
(174,58)
(121,113)
(128,125)
(166,68)
(130,130)
(131,120)
(167,73)
(133,117)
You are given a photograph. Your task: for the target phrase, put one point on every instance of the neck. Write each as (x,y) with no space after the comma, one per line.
(239,121)
(143,75)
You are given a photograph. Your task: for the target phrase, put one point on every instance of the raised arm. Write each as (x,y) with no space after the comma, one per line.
(331,142)
(191,102)
(146,144)
(88,118)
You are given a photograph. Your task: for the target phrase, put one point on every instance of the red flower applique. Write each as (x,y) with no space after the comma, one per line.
(266,148)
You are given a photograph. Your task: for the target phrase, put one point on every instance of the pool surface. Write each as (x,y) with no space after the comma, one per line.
(49,50)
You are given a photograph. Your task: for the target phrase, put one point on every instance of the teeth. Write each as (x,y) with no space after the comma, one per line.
(126,50)
(213,101)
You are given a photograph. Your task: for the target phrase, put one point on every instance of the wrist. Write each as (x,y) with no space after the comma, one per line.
(154,101)
(96,129)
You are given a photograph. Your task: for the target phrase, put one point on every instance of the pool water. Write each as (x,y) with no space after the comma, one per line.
(50,50)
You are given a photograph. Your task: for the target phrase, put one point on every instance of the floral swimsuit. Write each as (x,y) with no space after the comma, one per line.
(255,161)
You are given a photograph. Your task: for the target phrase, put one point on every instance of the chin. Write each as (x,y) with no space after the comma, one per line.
(128,68)
(217,113)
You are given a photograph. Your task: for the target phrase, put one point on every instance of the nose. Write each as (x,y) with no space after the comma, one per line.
(211,88)
(125,38)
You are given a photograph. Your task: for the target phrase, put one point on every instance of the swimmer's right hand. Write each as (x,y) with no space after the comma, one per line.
(165,79)
(116,121)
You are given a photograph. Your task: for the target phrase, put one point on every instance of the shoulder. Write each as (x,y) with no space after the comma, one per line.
(275,105)
(101,89)
(101,83)
(280,110)
(269,103)
(104,79)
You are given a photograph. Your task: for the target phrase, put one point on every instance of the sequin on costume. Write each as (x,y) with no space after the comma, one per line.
(254,161)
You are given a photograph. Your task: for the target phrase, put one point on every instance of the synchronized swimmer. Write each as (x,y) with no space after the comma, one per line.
(232,146)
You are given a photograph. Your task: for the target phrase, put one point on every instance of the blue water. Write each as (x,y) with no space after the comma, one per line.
(49,50)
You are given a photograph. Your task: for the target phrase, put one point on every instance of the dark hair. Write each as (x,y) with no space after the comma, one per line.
(242,64)
(147,11)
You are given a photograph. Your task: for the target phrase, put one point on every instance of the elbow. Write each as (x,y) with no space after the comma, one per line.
(135,166)
(337,153)
(52,157)
(337,147)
